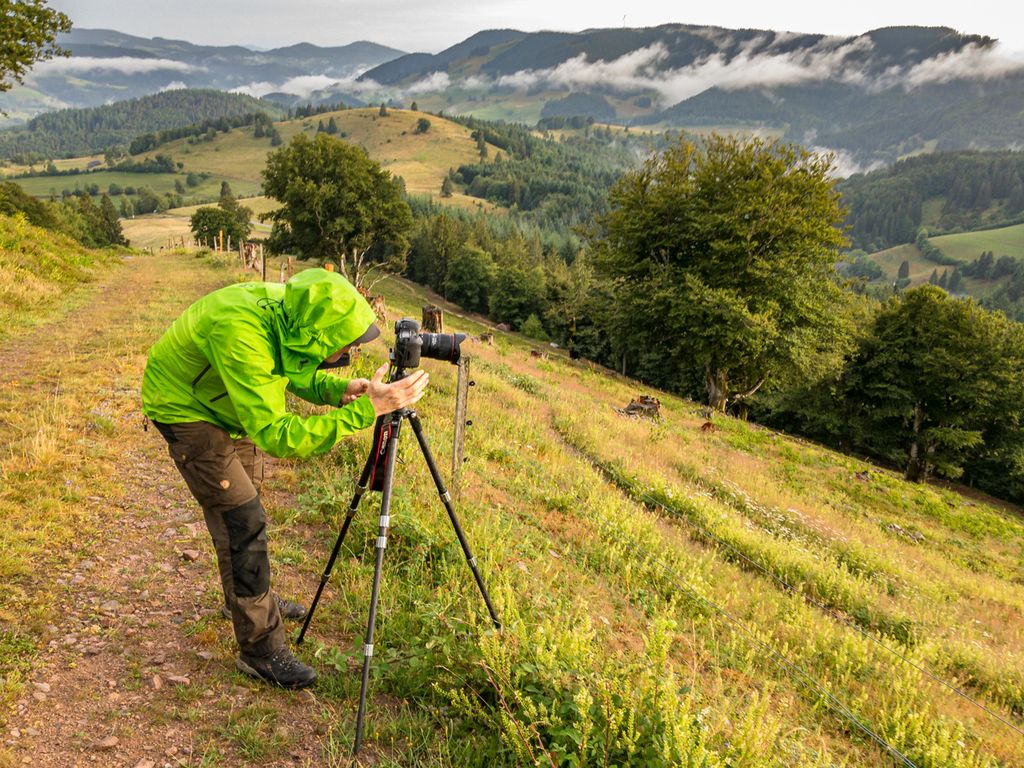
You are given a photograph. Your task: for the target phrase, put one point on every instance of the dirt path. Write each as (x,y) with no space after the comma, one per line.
(134,665)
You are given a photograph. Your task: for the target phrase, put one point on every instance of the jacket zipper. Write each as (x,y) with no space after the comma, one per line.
(197,378)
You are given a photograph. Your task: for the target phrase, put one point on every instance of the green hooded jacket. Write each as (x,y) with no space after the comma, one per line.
(230,358)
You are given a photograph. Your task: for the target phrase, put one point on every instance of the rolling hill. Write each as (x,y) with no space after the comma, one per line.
(421,159)
(999,290)
(111,66)
(73,133)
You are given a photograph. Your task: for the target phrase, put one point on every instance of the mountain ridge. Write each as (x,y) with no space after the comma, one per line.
(878,96)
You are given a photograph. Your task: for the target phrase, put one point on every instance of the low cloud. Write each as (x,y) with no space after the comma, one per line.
(302,86)
(760,63)
(126,65)
(638,70)
(846,164)
(436,81)
(972,62)
(306,85)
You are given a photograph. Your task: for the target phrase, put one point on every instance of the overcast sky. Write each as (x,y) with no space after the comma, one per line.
(432,25)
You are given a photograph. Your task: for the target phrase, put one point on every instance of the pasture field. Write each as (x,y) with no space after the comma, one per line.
(673,593)
(64,164)
(422,160)
(160,183)
(967,246)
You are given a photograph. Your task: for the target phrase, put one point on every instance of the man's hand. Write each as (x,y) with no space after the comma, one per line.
(355,388)
(390,397)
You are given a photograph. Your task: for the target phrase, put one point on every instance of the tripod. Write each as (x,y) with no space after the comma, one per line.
(379,472)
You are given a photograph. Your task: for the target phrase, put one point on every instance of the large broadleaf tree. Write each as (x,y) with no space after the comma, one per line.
(720,260)
(337,205)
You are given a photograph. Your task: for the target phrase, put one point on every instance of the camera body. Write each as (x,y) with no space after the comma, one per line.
(411,345)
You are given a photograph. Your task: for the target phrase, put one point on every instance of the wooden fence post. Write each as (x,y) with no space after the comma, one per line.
(461,422)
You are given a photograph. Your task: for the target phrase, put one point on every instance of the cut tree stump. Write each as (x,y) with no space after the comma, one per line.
(644,406)
(377,305)
(433,319)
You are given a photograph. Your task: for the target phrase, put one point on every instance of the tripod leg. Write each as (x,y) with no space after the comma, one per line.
(446,499)
(360,489)
(382,542)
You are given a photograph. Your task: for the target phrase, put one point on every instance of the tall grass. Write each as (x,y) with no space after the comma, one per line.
(630,640)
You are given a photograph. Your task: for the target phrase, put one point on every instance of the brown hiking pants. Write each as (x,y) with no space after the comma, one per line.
(225,475)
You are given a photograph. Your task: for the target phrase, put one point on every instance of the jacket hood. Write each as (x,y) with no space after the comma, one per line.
(321,313)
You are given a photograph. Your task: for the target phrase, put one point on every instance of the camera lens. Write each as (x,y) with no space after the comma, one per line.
(442,346)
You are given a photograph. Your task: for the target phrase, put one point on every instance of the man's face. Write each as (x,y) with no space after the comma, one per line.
(337,355)
(339,358)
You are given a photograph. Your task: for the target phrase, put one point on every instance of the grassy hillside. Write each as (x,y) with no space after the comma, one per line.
(641,579)
(966,246)
(38,269)
(74,132)
(161,183)
(421,159)
(603,557)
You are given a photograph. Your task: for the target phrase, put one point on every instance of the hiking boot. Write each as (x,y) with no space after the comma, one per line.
(288,609)
(278,668)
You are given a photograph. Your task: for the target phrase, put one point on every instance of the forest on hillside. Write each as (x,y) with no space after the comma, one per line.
(112,127)
(976,189)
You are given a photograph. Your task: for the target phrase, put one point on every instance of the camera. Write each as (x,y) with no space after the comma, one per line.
(411,345)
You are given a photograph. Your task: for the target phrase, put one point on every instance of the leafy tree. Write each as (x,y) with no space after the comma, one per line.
(14,199)
(422,125)
(337,204)
(211,222)
(193,179)
(469,277)
(533,328)
(723,259)
(28,33)
(179,187)
(932,378)
(517,293)
(148,201)
(240,216)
